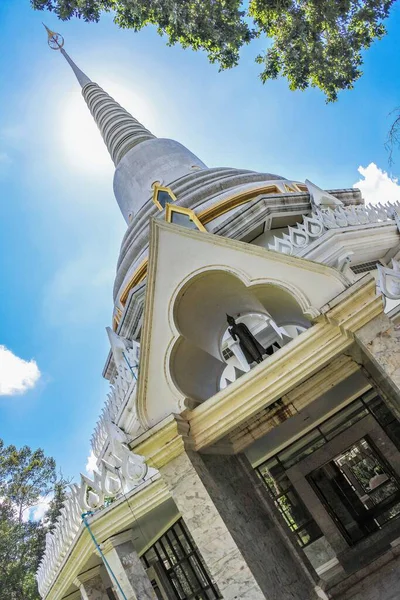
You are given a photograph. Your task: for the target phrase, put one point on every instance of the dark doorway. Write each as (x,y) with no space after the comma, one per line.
(359,490)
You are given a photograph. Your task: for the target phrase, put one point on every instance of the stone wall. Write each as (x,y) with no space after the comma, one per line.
(378,581)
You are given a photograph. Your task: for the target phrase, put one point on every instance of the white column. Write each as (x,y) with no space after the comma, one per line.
(379,342)
(128,569)
(229,516)
(91,585)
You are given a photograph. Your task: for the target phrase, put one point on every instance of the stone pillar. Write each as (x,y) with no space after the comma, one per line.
(378,351)
(128,568)
(91,585)
(224,508)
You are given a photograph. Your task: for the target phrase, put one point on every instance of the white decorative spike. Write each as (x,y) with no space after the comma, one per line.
(341,217)
(324,219)
(119,347)
(321,198)
(122,472)
(396,217)
(313,226)
(328,218)
(281,245)
(298,236)
(388,283)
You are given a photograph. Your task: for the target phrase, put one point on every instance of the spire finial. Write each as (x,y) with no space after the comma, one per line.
(56,42)
(120,131)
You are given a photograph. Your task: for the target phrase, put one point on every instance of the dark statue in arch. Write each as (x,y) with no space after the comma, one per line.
(250,346)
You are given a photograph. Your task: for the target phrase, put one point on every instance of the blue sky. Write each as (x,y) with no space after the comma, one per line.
(60,226)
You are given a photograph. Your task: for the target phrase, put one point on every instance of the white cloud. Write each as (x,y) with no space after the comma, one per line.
(16,375)
(91,463)
(377,185)
(37,512)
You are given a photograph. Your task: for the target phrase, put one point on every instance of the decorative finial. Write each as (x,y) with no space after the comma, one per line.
(320,198)
(55,40)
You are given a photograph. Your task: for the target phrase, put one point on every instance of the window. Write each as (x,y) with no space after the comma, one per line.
(180,561)
(227,353)
(162,195)
(179,215)
(287,501)
(290,505)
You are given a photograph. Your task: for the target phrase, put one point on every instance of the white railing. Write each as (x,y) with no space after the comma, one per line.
(122,472)
(322,220)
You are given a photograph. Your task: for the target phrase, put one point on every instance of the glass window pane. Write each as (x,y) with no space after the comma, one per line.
(274,475)
(177,555)
(182,538)
(183,220)
(163,198)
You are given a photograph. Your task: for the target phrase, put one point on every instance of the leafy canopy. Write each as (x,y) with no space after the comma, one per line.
(26,478)
(315,43)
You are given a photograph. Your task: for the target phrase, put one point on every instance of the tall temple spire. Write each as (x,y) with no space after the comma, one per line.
(119,129)
(140,158)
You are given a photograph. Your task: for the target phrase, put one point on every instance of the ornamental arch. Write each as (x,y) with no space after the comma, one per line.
(199,309)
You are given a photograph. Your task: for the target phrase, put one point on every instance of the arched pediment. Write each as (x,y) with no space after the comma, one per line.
(194,279)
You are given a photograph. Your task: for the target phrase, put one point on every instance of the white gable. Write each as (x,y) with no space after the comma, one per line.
(194,279)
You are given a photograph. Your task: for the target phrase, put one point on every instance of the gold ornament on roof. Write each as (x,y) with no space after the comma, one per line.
(55,40)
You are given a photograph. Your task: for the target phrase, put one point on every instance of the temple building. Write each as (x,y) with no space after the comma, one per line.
(249,447)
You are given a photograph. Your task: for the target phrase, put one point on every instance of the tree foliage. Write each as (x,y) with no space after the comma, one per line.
(315,43)
(26,478)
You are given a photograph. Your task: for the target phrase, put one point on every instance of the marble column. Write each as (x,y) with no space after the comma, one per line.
(378,351)
(224,507)
(91,585)
(128,569)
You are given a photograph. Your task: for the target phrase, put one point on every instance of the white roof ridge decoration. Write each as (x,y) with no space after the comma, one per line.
(396,217)
(320,197)
(120,347)
(322,220)
(388,283)
(122,390)
(119,474)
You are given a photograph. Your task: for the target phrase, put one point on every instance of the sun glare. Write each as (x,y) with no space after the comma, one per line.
(82,142)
